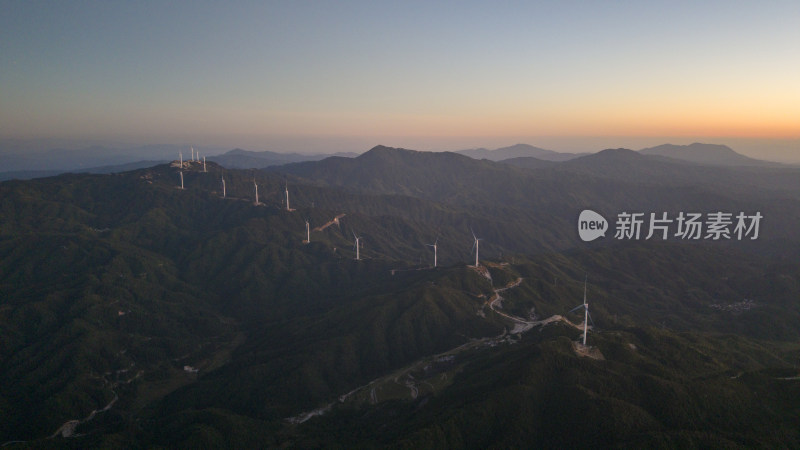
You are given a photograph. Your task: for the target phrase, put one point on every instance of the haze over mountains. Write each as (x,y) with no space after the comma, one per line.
(19,162)
(518,151)
(185,319)
(243,159)
(710,154)
(705,154)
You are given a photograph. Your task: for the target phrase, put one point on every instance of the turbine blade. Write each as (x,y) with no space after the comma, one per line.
(590,320)
(576,308)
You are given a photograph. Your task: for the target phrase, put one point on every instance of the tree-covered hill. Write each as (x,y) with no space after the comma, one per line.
(185,318)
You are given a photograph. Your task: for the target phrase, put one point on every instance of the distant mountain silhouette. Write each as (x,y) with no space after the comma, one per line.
(714,154)
(68,159)
(245,159)
(528,162)
(38,163)
(31,174)
(631,166)
(517,151)
(611,173)
(610,155)
(624,164)
(389,170)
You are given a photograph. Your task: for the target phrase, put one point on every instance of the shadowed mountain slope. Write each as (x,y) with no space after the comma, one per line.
(185,319)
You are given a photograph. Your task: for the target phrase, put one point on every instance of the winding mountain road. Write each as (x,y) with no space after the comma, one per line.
(520,326)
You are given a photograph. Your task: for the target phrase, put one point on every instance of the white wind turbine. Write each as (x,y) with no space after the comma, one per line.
(287,197)
(223,185)
(476,246)
(181,172)
(256,187)
(586,316)
(358,256)
(434,245)
(308,232)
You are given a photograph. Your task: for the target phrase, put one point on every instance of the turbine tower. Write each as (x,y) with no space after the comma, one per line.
(476,246)
(434,245)
(358,256)
(204,164)
(256,186)
(308,232)
(586,316)
(181,172)
(192,153)
(180,155)
(287,197)
(223,185)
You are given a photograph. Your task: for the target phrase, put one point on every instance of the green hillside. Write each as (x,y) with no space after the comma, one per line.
(185,319)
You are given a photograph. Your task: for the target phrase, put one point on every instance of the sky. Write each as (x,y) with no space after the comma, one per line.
(347,75)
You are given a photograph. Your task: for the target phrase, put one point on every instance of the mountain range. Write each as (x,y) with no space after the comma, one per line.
(243,159)
(19,163)
(134,313)
(705,154)
(16,157)
(518,151)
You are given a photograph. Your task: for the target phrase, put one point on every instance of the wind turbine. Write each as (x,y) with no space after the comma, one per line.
(434,245)
(181,172)
(586,316)
(476,246)
(180,155)
(358,257)
(256,186)
(204,164)
(308,232)
(223,186)
(192,153)
(287,197)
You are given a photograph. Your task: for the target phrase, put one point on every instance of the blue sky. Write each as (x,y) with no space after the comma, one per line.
(305,75)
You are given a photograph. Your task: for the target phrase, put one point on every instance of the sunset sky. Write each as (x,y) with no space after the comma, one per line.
(323,76)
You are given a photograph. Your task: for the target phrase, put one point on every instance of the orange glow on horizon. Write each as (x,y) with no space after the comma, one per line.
(646,124)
